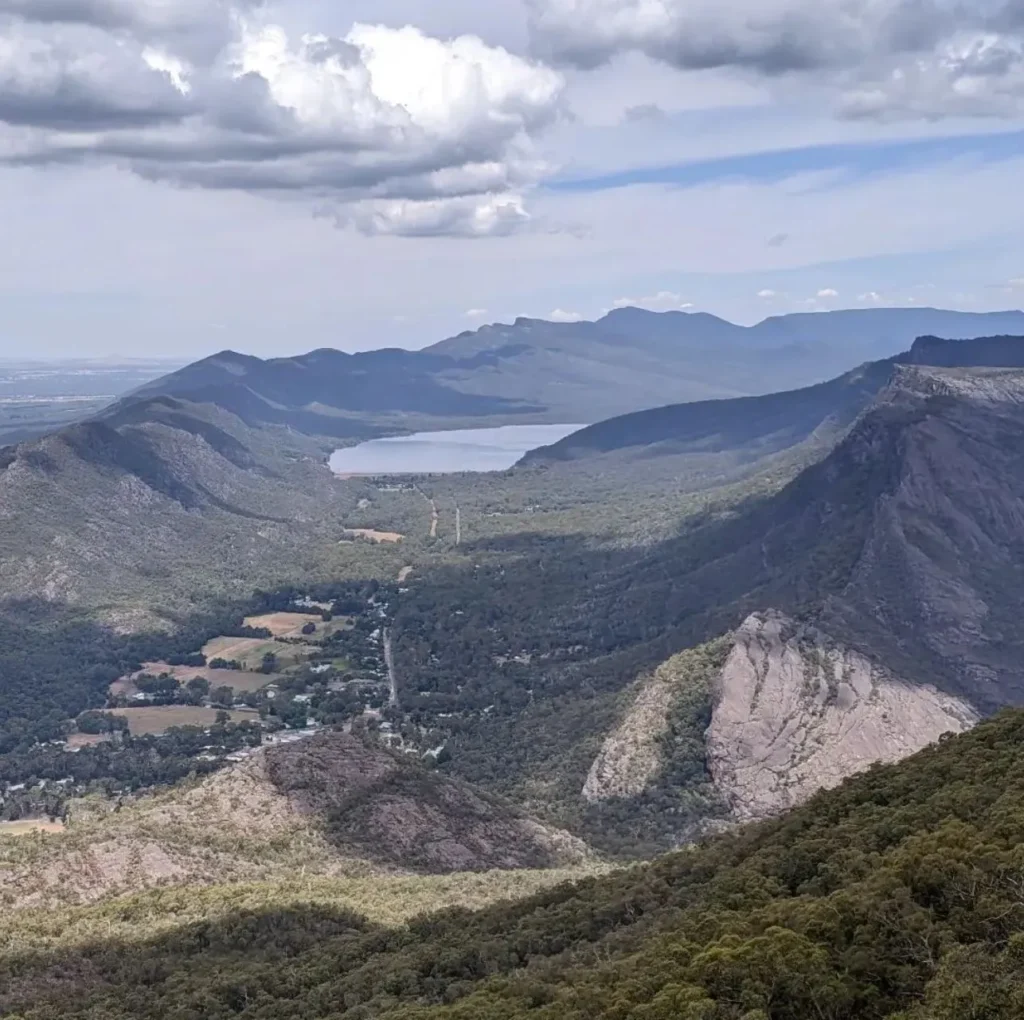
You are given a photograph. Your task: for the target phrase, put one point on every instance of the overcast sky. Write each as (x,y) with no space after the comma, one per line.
(181,176)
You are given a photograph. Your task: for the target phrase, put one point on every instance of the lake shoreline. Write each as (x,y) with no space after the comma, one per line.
(482,450)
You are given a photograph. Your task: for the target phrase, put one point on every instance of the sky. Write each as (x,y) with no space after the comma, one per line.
(182,176)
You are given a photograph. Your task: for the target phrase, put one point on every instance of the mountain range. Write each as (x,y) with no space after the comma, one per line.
(665,631)
(868,602)
(535,370)
(859,538)
(759,426)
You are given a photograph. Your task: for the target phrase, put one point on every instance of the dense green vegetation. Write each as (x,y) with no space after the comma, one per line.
(51,776)
(675,808)
(56,668)
(896,897)
(55,665)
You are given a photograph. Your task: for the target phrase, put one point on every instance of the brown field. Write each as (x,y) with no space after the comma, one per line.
(237,648)
(160,718)
(372,535)
(87,739)
(284,624)
(29,825)
(239,680)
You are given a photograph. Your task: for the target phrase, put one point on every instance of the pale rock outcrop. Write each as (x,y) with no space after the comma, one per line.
(631,757)
(795,714)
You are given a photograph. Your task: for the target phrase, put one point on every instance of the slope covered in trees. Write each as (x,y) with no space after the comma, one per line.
(751,428)
(899,896)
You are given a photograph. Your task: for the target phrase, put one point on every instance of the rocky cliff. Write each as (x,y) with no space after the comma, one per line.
(777,711)
(795,713)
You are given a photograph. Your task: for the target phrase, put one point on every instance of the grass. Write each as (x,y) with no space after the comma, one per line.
(87,739)
(389,900)
(28,826)
(372,535)
(250,651)
(240,680)
(284,624)
(160,718)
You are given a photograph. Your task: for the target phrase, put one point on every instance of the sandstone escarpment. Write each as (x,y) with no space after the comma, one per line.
(795,713)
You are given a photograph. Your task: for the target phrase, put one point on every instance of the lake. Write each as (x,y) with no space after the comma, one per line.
(492,449)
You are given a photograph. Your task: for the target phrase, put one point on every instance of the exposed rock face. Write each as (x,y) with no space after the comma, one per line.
(794,714)
(377,806)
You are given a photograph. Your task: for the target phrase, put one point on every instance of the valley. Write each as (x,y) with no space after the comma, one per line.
(296,694)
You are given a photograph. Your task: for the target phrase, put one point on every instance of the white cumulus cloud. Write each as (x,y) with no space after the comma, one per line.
(389,130)
(662,301)
(561,315)
(827,294)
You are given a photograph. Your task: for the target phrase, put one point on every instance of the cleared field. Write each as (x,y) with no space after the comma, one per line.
(242,682)
(250,651)
(160,718)
(87,739)
(239,680)
(284,624)
(28,826)
(373,535)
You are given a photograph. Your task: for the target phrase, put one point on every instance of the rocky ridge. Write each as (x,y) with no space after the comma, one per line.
(330,806)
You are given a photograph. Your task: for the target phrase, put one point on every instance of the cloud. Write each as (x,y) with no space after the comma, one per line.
(881,58)
(971,75)
(644,112)
(663,301)
(766,294)
(475,313)
(45,83)
(560,315)
(388,130)
(871,297)
(827,294)
(199,28)
(1017,283)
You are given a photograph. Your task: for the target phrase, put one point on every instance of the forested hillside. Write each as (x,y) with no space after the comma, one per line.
(525,679)
(752,428)
(896,897)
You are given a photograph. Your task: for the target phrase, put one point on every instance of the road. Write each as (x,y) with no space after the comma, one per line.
(389,661)
(433,511)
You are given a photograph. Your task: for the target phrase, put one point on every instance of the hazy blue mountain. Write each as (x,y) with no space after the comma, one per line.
(767,424)
(534,370)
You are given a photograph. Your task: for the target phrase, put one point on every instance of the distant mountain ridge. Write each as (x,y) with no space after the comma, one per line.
(767,424)
(539,371)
